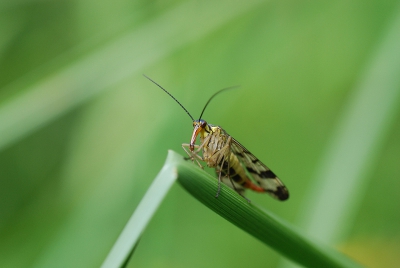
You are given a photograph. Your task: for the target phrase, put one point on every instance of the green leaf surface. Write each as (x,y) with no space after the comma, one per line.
(83,133)
(130,236)
(261,224)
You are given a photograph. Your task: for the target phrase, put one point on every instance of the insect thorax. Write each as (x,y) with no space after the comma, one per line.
(215,148)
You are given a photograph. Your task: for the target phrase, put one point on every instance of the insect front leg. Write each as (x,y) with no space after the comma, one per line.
(194,156)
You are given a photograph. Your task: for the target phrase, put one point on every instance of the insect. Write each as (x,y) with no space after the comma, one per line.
(229,158)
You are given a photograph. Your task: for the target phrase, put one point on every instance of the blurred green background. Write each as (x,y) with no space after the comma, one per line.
(83,133)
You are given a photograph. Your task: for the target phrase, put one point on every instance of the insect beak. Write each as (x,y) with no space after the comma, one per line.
(197,129)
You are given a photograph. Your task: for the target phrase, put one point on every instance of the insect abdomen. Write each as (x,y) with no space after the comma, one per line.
(237,173)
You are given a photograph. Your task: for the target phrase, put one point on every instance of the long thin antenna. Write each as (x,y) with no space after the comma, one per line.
(216,93)
(170,95)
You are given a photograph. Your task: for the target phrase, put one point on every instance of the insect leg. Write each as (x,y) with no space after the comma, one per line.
(192,155)
(228,173)
(222,158)
(195,154)
(219,177)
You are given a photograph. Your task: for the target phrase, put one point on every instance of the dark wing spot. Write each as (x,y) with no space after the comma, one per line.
(239,154)
(268,174)
(249,169)
(232,174)
(282,193)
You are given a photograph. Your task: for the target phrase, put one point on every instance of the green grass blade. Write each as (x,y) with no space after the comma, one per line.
(257,222)
(130,236)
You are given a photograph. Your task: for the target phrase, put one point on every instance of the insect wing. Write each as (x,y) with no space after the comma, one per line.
(260,172)
(238,188)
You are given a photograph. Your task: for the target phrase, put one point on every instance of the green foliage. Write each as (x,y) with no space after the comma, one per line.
(82,132)
(259,223)
(129,238)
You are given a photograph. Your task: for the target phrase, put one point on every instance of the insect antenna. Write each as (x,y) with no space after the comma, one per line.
(215,94)
(170,95)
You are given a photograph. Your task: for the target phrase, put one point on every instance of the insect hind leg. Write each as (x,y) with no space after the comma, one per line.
(237,190)
(227,175)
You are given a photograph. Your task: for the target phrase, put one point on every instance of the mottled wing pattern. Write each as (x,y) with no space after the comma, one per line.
(260,172)
(238,188)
